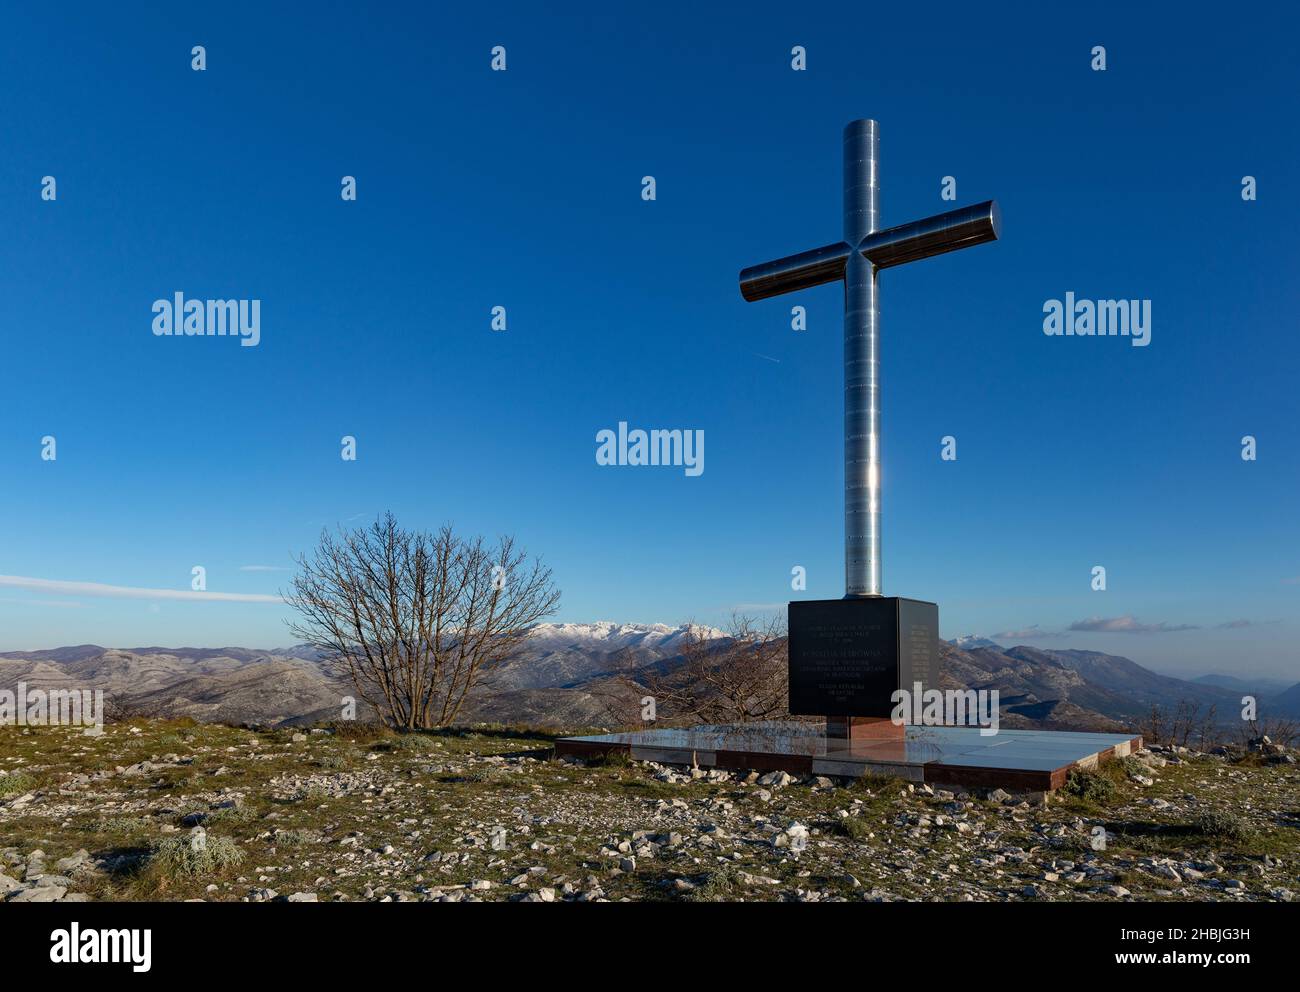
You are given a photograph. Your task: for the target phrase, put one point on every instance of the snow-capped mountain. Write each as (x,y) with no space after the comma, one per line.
(565,654)
(968,642)
(606,635)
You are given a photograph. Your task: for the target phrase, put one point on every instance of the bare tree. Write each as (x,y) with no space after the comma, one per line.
(1278,730)
(1184,725)
(740,677)
(620,695)
(417,618)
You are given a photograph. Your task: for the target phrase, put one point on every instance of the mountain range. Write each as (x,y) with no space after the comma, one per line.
(562,673)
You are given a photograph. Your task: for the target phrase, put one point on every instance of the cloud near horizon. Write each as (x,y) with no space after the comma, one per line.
(1025,634)
(59,587)
(1128,624)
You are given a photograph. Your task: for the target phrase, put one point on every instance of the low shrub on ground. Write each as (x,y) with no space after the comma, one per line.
(181,856)
(1091,785)
(16,783)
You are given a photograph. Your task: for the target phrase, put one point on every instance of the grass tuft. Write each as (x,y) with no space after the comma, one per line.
(619,758)
(16,783)
(362,731)
(1223,824)
(718,886)
(855,828)
(174,856)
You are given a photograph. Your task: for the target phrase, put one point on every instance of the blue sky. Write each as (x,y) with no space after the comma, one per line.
(522,189)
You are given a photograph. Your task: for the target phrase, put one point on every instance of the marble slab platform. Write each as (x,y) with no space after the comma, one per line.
(1015,760)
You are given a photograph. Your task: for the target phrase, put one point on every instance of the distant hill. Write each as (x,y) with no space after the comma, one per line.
(542,683)
(558,675)
(1121,688)
(1285,704)
(1259,687)
(57,654)
(274,692)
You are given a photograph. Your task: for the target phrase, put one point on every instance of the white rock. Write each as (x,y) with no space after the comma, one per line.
(798,836)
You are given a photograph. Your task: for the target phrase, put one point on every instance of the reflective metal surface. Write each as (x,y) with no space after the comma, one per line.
(933,236)
(802,271)
(857,259)
(861,367)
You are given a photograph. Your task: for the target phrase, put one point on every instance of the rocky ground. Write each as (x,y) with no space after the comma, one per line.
(170,810)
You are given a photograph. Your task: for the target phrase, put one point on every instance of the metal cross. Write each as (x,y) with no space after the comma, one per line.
(864,251)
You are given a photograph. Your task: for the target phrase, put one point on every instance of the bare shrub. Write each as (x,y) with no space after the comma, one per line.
(739,677)
(418,619)
(1185,724)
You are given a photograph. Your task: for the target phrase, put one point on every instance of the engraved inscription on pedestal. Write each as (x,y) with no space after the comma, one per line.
(918,628)
(847,656)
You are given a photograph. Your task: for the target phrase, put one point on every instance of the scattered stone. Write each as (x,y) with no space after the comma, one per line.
(386,832)
(70,864)
(39,893)
(798,837)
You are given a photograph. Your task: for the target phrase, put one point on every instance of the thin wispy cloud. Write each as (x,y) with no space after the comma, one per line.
(1238,624)
(58,587)
(1128,624)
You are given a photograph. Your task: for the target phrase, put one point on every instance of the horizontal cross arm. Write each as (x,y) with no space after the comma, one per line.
(785,275)
(933,236)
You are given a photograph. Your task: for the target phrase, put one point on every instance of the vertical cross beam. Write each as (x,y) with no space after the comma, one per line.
(861,366)
(858,259)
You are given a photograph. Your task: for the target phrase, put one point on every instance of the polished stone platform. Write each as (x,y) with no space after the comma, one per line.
(1015,760)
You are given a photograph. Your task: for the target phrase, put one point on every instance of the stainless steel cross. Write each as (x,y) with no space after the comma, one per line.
(864,251)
